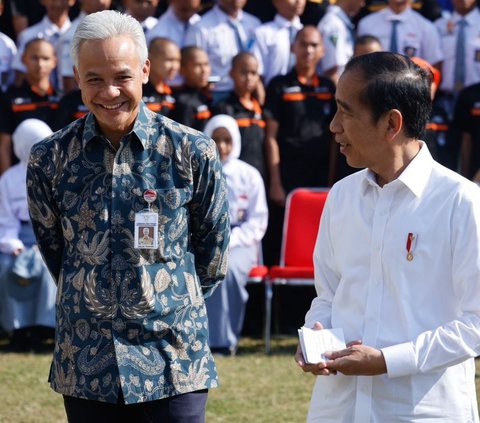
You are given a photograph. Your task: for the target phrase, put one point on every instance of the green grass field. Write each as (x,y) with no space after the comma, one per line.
(255,388)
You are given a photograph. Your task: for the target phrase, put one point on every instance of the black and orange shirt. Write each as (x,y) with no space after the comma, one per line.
(71,108)
(467,119)
(192,107)
(26,102)
(252,129)
(438,137)
(303,113)
(160,100)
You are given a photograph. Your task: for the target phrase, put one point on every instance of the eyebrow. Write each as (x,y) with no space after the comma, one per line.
(344,105)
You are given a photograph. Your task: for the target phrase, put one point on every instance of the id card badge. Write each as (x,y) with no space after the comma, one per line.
(146,230)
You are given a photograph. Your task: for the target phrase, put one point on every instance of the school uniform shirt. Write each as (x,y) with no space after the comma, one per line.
(252,129)
(192,107)
(303,113)
(422,313)
(417,36)
(65,62)
(26,102)
(7,53)
(467,119)
(272,46)
(159,100)
(169,26)
(70,108)
(448,28)
(44,29)
(338,38)
(216,35)
(130,319)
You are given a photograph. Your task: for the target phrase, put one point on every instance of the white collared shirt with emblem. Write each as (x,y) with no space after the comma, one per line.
(422,313)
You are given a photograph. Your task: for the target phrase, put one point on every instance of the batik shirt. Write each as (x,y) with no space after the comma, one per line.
(127,318)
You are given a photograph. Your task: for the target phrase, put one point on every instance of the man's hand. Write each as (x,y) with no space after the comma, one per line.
(357,360)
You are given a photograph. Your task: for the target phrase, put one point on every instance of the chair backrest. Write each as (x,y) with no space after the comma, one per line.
(303,210)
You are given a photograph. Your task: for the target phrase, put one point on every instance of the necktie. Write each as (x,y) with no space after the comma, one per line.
(459,70)
(394,36)
(238,37)
(186,25)
(291,36)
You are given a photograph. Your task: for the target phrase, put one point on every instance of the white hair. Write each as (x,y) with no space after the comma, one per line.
(108,24)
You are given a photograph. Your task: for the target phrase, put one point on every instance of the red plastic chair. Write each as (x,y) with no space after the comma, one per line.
(303,210)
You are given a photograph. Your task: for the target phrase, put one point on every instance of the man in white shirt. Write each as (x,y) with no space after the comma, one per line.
(273,40)
(338,35)
(176,21)
(224,31)
(465,13)
(414,35)
(397,261)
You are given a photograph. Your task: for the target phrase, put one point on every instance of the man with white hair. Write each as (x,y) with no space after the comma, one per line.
(132,328)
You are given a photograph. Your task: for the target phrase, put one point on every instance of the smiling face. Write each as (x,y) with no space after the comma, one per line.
(110,76)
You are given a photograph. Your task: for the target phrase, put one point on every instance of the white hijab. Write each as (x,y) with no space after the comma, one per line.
(230,124)
(28,133)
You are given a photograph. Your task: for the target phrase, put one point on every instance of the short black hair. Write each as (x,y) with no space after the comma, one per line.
(393,81)
(240,56)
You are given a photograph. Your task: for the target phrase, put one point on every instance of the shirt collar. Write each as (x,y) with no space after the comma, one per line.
(415,175)
(222,16)
(471,17)
(282,22)
(141,129)
(392,16)
(337,10)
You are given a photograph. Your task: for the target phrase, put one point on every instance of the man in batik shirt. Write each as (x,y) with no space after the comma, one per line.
(132,329)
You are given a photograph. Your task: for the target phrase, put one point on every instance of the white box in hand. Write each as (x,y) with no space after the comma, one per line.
(315,343)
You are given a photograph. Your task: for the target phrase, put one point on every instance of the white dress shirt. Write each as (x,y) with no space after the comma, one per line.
(43,29)
(423,313)
(65,62)
(13,207)
(448,28)
(337,33)
(169,26)
(215,35)
(417,36)
(7,53)
(272,46)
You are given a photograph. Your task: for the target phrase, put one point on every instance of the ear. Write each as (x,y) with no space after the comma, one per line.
(76,75)
(145,71)
(394,124)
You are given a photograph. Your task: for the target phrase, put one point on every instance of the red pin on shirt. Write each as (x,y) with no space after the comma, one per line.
(409,246)
(150,196)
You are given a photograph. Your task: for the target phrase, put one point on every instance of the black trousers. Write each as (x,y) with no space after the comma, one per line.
(184,408)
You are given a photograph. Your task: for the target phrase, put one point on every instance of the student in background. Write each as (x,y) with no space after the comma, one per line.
(143,11)
(439,136)
(248,218)
(242,105)
(193,99)
(34,98)
(27,291)
(164,56)
(54,24)
(366,44)
(273,40)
